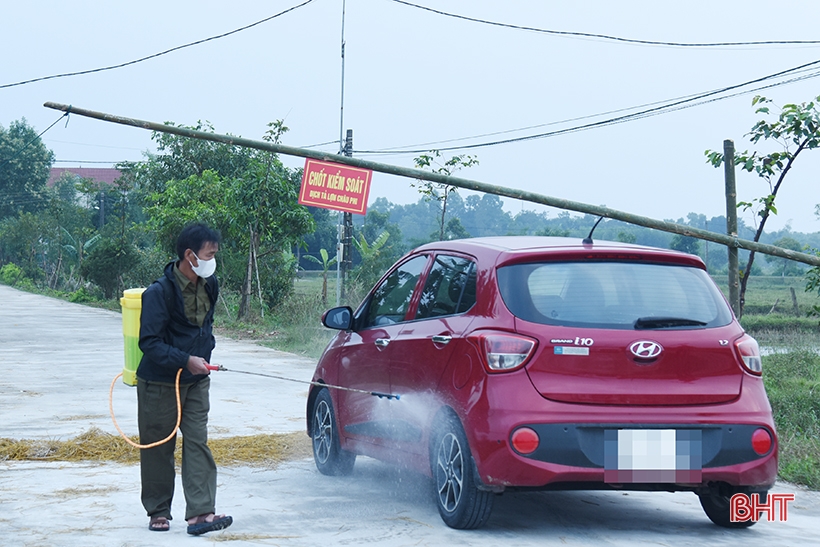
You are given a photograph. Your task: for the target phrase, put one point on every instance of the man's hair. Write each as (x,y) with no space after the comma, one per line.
(194,237)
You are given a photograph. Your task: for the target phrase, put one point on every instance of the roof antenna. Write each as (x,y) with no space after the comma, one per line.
(588,240)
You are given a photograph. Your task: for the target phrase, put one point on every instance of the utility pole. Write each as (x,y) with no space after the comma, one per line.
(347,229)
(731,223)
(340,237)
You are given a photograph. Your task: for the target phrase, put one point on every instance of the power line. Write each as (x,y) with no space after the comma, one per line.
(99,161)
(657,110)
(321,144)
(160,53)
(608,37)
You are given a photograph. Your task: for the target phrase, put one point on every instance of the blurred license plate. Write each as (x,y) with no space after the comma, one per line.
(653,455)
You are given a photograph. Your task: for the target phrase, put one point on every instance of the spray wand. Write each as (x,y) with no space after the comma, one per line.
(320,384)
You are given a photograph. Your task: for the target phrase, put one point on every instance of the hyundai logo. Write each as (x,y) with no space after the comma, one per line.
(644,349)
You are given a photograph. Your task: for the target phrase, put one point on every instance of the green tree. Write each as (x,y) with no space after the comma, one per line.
(441,192)
(25,163)
(793,129)
(370,268)
(326,263)
(685,244)
(255,208)
(784,265)
(107,263)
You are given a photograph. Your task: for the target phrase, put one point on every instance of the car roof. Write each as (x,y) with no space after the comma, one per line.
(510,249)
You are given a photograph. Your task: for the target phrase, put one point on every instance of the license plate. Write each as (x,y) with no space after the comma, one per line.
(653,455)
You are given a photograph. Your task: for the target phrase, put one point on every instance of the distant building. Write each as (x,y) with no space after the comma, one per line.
(106,175)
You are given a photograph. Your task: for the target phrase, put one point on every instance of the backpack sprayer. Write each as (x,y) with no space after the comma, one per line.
(223,369)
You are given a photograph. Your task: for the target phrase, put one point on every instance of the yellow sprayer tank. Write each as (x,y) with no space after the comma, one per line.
(131,303)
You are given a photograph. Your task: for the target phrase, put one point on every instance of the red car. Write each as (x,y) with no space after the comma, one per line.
(528,362)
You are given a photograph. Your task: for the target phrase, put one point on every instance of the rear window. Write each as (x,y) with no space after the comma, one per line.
(620,295)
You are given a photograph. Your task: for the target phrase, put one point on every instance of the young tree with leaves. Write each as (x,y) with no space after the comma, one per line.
(434,191)
(794,129)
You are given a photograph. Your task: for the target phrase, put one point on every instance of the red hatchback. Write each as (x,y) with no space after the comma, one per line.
(548,363)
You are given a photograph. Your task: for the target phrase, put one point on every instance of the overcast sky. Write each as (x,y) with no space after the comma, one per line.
(416,77)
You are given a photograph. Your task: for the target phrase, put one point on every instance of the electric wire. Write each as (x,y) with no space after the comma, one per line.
(155,55)
(608,37)
(654,111)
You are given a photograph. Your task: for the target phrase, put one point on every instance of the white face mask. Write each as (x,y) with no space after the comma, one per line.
(205,269)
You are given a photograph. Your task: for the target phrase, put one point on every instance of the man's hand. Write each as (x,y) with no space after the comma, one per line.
(198,365)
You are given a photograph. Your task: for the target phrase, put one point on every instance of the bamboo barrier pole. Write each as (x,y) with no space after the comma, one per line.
(665,226)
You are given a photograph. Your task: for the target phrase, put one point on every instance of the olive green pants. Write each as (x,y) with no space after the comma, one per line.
(157,416)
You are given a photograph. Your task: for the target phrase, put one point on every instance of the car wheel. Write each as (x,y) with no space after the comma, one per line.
(327,451)
(460,503)
(717,506)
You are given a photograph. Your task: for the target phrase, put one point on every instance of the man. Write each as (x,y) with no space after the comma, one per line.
(176,334)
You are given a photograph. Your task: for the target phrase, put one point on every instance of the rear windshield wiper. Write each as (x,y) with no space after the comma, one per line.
(666,322)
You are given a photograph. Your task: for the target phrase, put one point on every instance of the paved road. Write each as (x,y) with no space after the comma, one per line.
(56,363)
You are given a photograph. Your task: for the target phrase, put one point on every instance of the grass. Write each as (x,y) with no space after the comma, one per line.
(793,384)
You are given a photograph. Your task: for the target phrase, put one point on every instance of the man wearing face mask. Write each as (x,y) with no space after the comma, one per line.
(176,334)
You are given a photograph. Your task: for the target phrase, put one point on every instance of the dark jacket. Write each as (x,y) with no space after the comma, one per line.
(167,337)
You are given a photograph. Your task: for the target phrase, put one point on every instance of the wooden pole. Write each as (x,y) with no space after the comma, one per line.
(731,223)
(420,174)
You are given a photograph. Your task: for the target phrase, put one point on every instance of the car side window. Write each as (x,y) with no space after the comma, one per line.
(449,289)
(391,299)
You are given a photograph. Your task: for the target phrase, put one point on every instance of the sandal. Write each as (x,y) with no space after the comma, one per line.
(201,525)
(159,524)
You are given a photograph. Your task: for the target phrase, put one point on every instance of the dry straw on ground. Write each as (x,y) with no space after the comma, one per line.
(96,445)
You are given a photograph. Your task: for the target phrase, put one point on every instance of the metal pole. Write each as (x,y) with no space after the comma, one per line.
(469,184)
(731,222)
(347,223)
(339,236)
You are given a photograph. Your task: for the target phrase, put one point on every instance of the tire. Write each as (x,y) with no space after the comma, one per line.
(717,506)
(460,503)
(327,451)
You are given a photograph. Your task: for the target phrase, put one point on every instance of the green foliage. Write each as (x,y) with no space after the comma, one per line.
(24,168)
(794,129)
(249,196)
(792,382)
(326,263)
(784,266)
(10,274)
(81,296)
(438,192)
(372,266)
(107,263)
(685,244)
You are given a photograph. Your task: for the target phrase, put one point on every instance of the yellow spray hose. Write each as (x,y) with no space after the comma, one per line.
(123,435)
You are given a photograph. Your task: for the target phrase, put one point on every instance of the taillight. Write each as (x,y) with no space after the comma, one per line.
(761,441)
(505,352)
(750,354)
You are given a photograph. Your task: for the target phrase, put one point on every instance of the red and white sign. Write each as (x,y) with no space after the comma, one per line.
(333,186)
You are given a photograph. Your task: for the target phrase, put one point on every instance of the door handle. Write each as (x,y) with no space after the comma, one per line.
(382,342)
(441,339)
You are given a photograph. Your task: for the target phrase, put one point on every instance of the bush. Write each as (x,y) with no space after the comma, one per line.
(81,296)
(147,268)
(106,264)
(10,274)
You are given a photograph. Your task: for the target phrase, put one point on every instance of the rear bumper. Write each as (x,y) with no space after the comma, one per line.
(575,447)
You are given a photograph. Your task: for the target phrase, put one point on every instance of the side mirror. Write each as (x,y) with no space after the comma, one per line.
(338,318)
